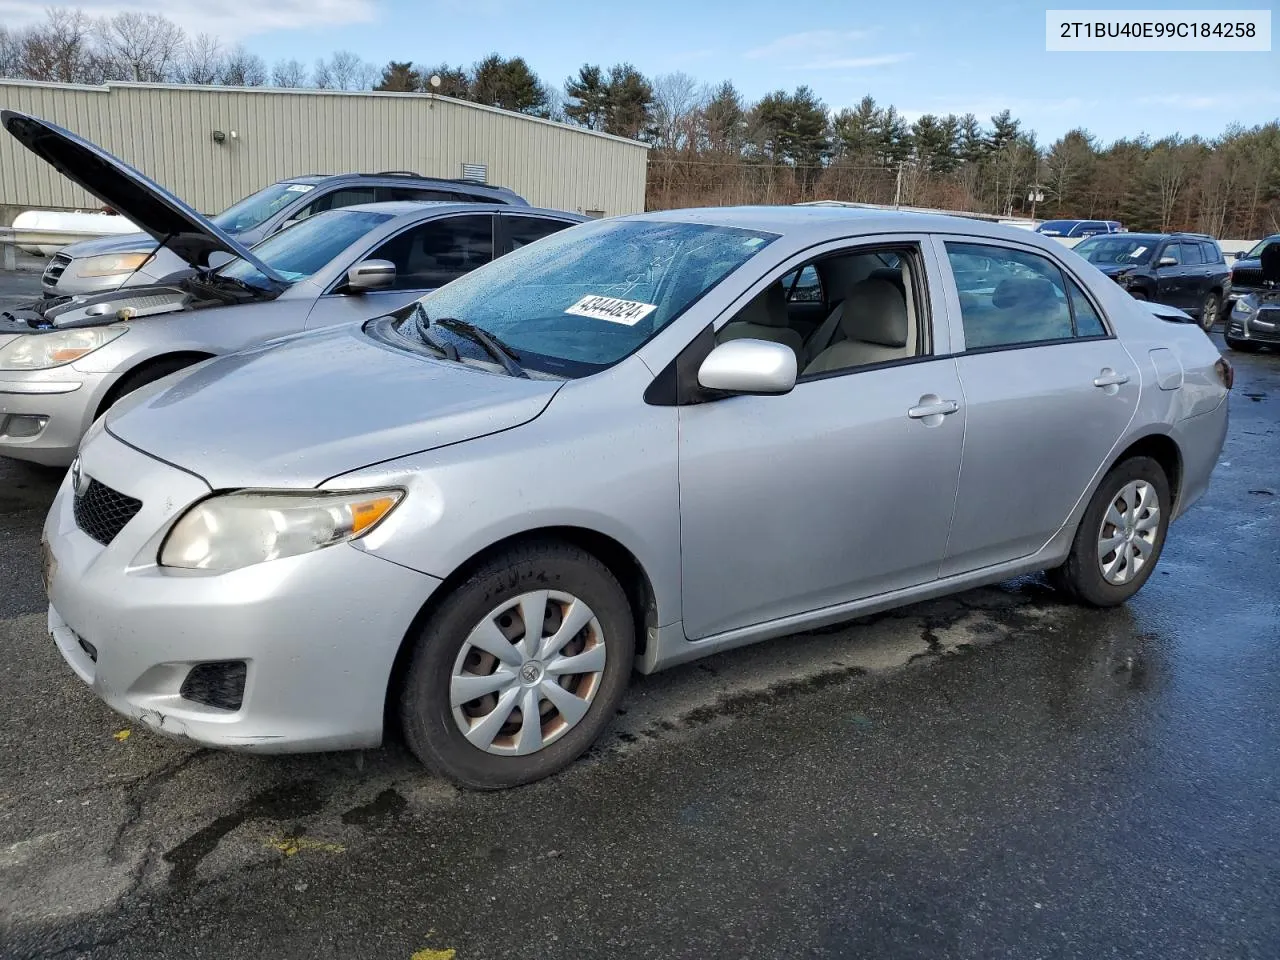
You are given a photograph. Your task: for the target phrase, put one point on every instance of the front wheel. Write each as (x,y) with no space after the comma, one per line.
(1137,294)
(520,669)
(1120,536)
(1209,311)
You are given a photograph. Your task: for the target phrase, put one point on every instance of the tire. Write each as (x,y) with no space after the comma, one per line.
(1242,346)
(1209,311)
(1138,295)
(143,376)
(1081,576)
(443,654)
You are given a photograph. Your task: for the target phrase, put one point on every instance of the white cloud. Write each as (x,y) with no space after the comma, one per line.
(854,63)
(226,19)
(1190,103)
(825,43)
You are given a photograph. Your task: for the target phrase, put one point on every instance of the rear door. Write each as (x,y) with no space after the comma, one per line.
(1048,392)
(427,255)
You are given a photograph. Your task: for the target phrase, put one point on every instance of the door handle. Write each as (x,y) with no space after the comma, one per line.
(1109,378)
(938,408)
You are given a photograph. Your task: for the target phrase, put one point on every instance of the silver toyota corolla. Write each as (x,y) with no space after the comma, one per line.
(628,445)
(66,360)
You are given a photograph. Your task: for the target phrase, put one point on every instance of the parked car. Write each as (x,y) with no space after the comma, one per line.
(629,445)
(1246,273)
(134,259)
(1183,270)
(64,361)
(1079,228)
(1255,318)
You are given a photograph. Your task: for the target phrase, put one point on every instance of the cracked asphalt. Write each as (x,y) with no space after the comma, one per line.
(996,774)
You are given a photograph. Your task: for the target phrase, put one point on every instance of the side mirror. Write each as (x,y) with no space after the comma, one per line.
(749,366)
(1167,262)
(371,275)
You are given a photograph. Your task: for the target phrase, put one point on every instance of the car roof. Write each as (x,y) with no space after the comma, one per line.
(394,176)
(417,208)
(819,223)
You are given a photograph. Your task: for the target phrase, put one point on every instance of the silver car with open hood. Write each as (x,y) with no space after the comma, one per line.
(64,361)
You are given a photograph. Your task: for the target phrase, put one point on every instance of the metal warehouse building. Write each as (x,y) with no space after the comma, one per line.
(213,145)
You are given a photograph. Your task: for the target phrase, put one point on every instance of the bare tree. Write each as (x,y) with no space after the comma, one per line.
(60,49)
(139,46)
(289,73)
(345,71)
(244,69)
(676,102)
(1168,169)
(10,53)
(201,61)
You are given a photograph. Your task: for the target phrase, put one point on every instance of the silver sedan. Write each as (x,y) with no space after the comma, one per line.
(626,446)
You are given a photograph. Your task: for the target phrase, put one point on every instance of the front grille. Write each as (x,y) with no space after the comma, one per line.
(103,512)
(1246,277)
(218,683)
(56,268)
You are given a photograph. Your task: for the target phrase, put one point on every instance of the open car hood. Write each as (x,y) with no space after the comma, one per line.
(154,209)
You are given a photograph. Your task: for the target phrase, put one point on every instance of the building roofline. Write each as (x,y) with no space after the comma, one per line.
(312,91)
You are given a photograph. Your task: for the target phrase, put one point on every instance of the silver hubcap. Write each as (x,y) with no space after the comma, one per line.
(1127,537)
(527,673)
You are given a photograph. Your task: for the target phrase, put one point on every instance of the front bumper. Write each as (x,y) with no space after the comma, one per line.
(44,413)
(1253,329)
(319,633)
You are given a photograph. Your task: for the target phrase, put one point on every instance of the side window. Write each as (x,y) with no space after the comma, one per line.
(1171,250)
(433,253)
(1191,254)
(1008,297)
(807,288)
(385,194)
(1088,323)
(525,230)
(1211,252)
(336,199)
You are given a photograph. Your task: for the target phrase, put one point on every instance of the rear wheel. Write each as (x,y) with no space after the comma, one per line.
(1209,310)
(1120,536)
(520,669)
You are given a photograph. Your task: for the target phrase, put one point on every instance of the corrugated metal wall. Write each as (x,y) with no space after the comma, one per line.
(167,132)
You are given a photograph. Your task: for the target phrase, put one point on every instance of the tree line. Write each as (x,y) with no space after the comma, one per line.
(712,146)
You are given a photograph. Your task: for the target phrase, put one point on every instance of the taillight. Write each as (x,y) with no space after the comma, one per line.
(1226,372)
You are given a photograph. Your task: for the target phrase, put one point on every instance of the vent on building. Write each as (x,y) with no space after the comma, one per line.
(478,172)
(594,214)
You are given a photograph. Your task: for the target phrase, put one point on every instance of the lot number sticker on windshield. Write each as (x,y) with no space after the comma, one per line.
(300,188)
(626,312)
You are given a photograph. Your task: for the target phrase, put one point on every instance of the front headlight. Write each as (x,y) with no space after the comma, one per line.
(1243,307)
(109,264)
(41,351)
(235,530)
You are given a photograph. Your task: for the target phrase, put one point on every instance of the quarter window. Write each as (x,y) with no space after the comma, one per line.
(432,254)
(805,288)
(1088,323)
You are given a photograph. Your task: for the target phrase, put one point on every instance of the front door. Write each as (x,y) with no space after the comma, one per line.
(426,256)
(839,490)
(1048,393)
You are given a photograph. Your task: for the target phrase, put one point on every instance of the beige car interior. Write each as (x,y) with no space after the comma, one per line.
(871,316)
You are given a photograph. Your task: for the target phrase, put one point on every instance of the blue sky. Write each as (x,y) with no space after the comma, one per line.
(927,56)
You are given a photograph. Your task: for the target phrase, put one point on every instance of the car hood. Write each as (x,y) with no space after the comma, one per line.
(127,191)
(297,411)
(121,243)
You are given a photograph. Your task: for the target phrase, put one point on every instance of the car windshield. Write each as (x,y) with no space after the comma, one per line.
(257,208)
(1256,252)
(299,251)
(582,299)
(1114,249)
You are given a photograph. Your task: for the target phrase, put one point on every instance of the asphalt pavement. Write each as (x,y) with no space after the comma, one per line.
(997,774)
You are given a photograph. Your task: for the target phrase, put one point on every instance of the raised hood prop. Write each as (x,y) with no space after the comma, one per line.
(155,210)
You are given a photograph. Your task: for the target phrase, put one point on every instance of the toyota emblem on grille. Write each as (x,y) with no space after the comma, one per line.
(79,482)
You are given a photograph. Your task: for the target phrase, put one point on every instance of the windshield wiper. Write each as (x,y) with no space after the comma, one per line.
(509,359)
(421,321)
